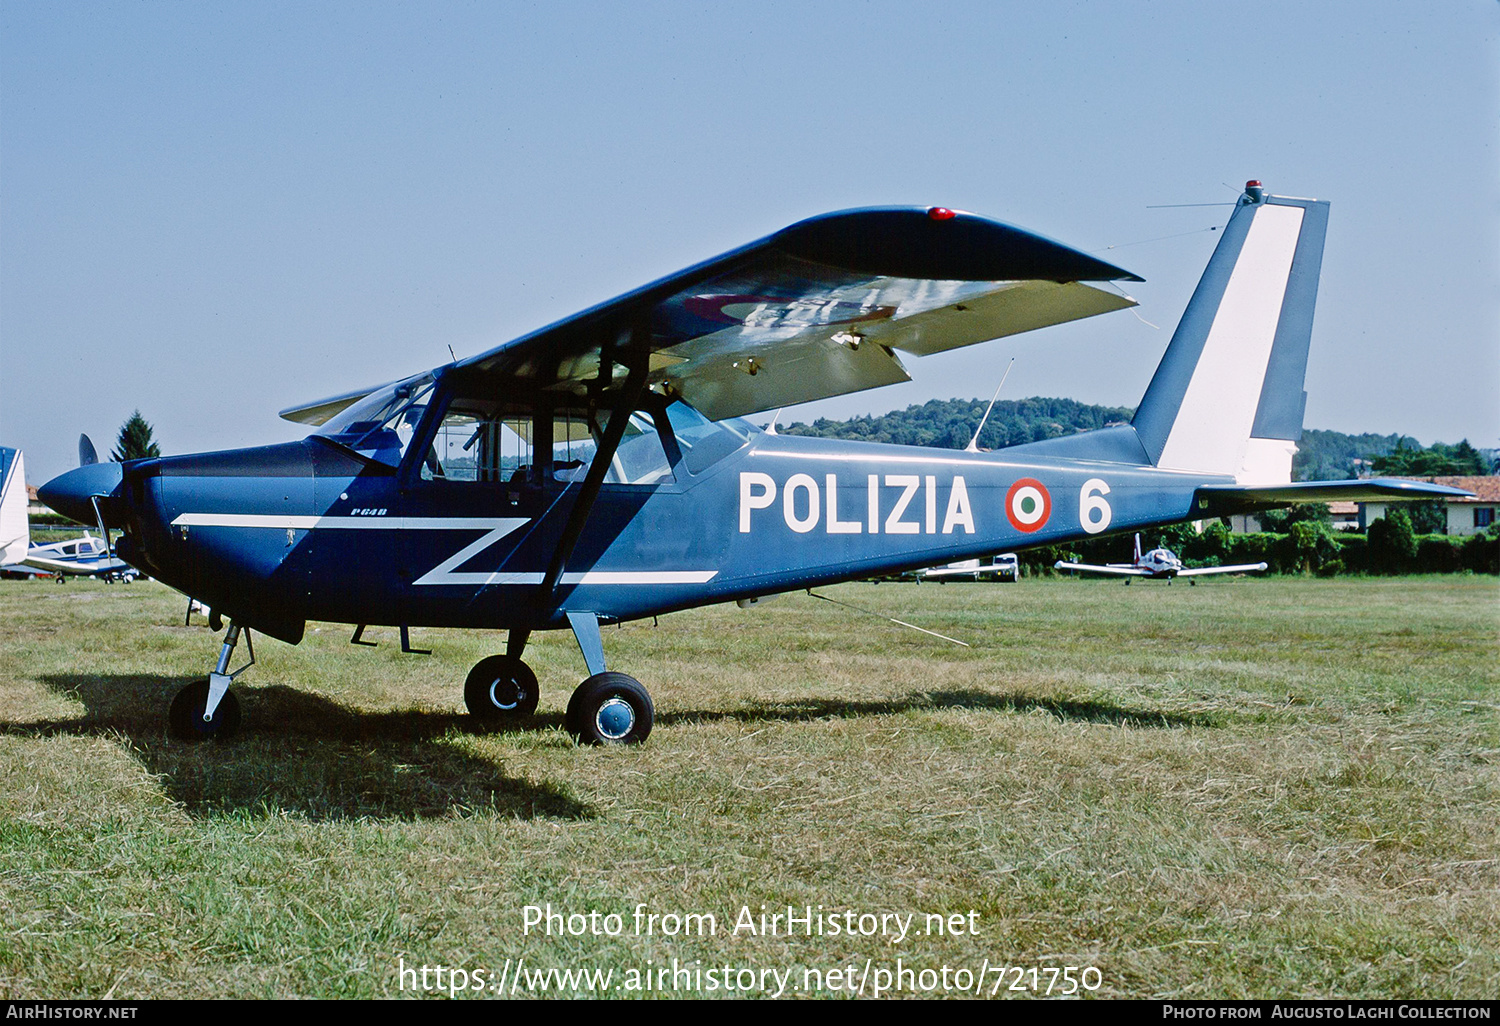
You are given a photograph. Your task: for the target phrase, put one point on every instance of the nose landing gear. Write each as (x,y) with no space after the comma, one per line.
(207,708)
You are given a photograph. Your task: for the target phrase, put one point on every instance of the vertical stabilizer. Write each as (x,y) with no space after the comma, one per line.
(1227,397)
(15,530)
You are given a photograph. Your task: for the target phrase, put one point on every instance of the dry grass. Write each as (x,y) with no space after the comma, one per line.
(1244,789)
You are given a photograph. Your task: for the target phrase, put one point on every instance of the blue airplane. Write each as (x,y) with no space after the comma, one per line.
(599,470)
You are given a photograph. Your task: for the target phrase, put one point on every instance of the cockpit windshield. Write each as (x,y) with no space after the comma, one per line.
(381,424)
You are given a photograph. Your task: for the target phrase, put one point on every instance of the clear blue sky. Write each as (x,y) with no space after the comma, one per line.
(213,211)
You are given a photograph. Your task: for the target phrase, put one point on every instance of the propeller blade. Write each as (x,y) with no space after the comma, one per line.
(87,454)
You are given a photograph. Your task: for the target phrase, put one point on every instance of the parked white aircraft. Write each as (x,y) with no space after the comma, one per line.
(79,557)
(1003,568)
(1157,564)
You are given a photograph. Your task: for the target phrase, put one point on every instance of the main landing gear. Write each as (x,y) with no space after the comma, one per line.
(608,708)
(207,708)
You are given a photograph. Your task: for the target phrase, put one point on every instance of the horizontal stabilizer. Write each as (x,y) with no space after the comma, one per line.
(1219,500)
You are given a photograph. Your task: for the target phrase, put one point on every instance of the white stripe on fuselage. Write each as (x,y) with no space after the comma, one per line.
(495,529)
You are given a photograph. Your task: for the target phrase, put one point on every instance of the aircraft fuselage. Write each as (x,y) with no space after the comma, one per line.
(278,535)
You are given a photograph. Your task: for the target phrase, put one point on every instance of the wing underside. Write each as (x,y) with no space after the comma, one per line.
(823,308)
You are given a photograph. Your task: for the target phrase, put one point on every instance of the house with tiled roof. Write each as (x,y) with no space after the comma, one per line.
(1466,515)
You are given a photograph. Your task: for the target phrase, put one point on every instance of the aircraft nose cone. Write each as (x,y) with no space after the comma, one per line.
(70,493)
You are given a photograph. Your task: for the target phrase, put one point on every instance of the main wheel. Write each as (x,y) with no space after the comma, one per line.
(185,719)
(501,689)
(610,709)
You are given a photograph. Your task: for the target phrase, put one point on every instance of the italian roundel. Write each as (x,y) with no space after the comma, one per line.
(1028,505)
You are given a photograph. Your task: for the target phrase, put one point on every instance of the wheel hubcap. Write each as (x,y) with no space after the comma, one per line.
(615,719)
(504,694)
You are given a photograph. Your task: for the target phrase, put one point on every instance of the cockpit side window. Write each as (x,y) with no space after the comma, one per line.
(480,441)
(704,442)
(641,458)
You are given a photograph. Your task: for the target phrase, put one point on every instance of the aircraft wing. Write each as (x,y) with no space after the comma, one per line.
(1089,568)
(1204,571)
(76,567)
(935,573)
(320,411)
(819,309)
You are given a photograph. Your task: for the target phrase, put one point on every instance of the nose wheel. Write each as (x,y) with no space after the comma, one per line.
(501,689)
(207,708)
(186,720)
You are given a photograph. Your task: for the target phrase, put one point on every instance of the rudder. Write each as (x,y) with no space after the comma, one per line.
(1228,395)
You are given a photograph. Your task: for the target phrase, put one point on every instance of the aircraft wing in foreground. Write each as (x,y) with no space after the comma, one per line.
(595,471)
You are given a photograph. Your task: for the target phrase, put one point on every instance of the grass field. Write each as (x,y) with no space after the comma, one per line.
(1251,788)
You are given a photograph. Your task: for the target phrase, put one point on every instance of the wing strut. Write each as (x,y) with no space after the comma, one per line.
(637,355)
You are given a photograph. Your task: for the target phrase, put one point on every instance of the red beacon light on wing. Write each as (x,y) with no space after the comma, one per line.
(941,213)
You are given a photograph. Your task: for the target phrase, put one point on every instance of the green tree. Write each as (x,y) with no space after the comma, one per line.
(135,442)
(1392,542)
(1461,460)
(1281,521)
(1428,517)
(1313,546)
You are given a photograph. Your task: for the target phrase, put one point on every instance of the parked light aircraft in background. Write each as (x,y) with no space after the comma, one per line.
(1158,564)
(1005,567)
(597,470)
(78,557)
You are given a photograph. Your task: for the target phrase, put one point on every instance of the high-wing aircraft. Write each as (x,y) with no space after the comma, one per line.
(78,557)
(1158,564)
(597,471)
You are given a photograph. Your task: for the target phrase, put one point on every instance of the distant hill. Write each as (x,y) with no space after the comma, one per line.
(950,423)
(1331,455)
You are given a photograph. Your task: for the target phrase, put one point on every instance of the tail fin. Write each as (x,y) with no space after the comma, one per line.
(1137,548)
(1227,397)
(15,529)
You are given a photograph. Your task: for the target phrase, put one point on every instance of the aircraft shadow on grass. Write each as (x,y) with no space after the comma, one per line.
(1063,709)
(306,755)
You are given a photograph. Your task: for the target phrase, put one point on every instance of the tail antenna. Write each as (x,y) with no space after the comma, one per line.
(973,445)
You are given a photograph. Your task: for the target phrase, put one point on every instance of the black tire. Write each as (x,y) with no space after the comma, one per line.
(185,719)
(501,689)
(610,709)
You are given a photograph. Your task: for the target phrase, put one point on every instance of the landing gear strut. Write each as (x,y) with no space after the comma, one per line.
(207,708)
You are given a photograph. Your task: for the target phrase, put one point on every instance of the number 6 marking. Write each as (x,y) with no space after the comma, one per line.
(1094,513)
